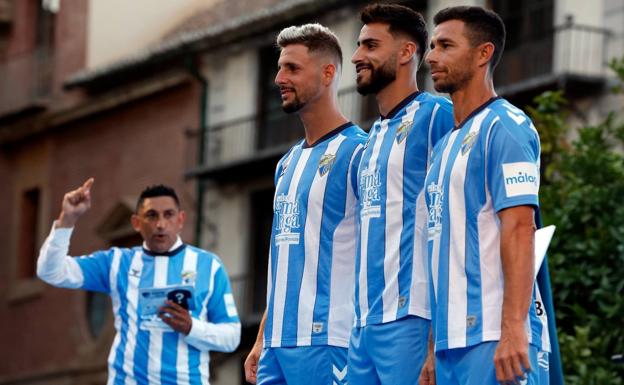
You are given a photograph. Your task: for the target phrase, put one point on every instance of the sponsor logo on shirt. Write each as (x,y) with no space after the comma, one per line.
(230,307)
(520,178)
(326,163)
(287,219)
(403,131)
(370,181)
(284,167)
(434,221)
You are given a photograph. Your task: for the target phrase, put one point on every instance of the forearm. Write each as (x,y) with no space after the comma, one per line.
(206,336)
(260,336)
(517,254)
(53,264)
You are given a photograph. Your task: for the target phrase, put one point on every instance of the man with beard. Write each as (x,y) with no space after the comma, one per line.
(389,341)
(304,333)
(482,194)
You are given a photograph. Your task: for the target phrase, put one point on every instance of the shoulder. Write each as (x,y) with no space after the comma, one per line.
(355,135)
(290,152)
(434,101)
(205,256)
(511,122)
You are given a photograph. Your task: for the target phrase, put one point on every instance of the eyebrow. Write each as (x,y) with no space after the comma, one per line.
(441,40)
(366,41)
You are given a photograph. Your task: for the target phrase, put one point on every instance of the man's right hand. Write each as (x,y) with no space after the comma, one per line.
(75,203)
(251,363)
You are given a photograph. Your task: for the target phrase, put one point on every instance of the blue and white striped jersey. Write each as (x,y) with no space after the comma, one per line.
(489,163)
(145,349)
(312,256)
(391,265)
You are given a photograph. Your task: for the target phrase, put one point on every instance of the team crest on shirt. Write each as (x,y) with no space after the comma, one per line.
(326,163)
(287,221)
(403,131)
(188,277)
(434,222)
(468,142)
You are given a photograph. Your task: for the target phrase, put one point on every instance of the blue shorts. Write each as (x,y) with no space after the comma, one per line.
(314,365)
(390,354)
(474,365)
(543,366)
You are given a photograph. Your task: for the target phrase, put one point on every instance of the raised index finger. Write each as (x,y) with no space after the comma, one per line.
(86,186)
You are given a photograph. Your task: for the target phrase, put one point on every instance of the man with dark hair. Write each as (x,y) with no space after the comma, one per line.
(389,341)
(164,335)
(482,193)
(159,190)
(304,333)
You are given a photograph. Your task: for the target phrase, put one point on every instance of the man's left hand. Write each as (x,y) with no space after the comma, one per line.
(176,316)
(511,358)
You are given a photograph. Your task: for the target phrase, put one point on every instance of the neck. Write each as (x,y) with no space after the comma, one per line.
(467,99)
(321,117)
(395,92)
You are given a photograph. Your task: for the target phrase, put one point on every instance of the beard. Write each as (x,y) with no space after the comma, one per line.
(453,82)
(379,78)
(293,106)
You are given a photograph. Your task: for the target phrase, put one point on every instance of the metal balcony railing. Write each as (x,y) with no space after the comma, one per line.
(25,80)
(251,137)
(570,49)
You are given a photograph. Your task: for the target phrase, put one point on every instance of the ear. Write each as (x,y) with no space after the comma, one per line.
(181,219)
(136,222)
(328,74)
(408,52)
(485,52)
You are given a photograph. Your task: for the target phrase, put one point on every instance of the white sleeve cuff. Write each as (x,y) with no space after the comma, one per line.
(222,337)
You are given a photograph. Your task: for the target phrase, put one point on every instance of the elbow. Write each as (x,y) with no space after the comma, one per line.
(234,339)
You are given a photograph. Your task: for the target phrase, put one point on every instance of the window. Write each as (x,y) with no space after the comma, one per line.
(260,230)
(277,128)
(44,42)
(28,229)
(529,44)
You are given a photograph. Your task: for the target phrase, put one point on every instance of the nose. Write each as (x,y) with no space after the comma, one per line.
(357,56)
(280,78)
(160,223)
(430,57)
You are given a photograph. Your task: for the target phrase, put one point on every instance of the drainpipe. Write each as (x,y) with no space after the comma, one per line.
(194,70)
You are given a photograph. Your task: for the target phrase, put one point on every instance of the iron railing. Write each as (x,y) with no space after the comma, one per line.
(570,49)
(247,138)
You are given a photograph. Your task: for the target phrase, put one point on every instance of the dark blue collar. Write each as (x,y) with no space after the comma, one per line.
(170,253)
(400,106)
(476,111)
(328,135)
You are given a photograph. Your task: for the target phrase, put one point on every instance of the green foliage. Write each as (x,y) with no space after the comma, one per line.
(583,194)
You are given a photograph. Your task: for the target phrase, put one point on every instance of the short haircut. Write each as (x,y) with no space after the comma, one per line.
(316,37)
(401,20)
(482,25)
(159,190)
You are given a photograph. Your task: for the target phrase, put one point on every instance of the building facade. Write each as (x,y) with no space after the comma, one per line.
(192,103)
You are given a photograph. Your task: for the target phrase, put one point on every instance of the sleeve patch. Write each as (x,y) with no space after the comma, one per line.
(230,307)
(520,178)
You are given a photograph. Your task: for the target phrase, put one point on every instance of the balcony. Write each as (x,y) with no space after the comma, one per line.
(251,146)
(571,56)
(25,81)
